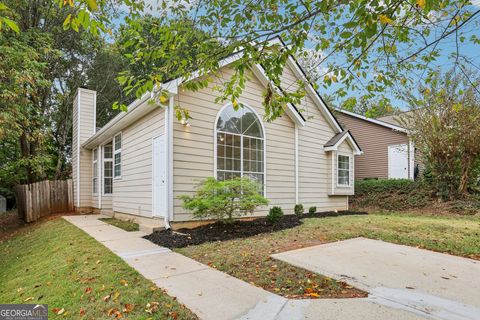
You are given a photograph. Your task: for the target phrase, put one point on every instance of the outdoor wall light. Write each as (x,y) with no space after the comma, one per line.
(185,122)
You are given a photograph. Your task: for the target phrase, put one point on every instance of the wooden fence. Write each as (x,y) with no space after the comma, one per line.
(43,198)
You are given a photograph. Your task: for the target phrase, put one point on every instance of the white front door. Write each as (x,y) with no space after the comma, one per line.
(398,161)
(159,168)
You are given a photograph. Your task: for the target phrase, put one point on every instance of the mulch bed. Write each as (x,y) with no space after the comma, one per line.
(239,229)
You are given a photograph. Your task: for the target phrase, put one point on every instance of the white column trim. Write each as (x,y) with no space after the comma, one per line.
(296,164)
(169,114)
(78,146)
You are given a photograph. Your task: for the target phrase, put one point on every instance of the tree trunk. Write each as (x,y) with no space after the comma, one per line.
(464,177)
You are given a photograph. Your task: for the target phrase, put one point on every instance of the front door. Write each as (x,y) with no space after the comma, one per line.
(398,161)
(159,168)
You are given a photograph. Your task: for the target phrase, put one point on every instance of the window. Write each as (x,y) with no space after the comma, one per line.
(118,156)
(107,169)
(240,145)
(95,171)
(343,170)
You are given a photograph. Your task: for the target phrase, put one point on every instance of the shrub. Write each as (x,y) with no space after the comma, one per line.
(312,210)
(395,194)
(274,215)
(224,200)
(298,209)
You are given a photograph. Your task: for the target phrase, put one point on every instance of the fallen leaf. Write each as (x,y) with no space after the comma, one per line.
(174,315)
(58,311)
(81,313)
(106,298)
(28,299)
(88,290)
(128,308)
(124,283)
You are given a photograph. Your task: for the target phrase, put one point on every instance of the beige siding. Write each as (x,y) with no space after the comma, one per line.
(374,140)
(314,163)
(132,193)
(83,128)
(194,147)
(194,150)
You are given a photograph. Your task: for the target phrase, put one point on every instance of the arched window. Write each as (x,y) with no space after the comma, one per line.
(240,145)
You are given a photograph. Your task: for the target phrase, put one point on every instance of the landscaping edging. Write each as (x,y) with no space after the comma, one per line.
(239,229)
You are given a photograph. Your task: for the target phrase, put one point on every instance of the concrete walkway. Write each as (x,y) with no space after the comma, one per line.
(440,285)
(212,294)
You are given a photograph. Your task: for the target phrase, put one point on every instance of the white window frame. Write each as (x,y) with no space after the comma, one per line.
(115,152)
(105,160)
(264,139)
(95,172)
(349,170)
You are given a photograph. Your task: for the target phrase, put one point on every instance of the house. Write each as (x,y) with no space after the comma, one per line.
(139,163)
(389,153)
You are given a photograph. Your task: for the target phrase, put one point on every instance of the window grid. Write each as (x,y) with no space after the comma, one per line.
(343,169)
(117,157)
(251,162)
(95,171)
(108,169)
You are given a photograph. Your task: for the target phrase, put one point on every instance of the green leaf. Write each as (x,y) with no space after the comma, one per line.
(11,24)
(92,5)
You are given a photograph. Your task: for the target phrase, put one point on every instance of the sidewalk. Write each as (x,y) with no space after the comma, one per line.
(212,294)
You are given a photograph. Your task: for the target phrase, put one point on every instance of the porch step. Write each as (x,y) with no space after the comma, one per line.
(151,227)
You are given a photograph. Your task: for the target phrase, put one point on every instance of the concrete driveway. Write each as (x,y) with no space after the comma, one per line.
(438,285)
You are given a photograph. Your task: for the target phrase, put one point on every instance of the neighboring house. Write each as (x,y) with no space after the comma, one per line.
(389,153)
(139,163)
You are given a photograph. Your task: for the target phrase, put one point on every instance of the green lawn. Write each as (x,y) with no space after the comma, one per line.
(122,224)
(57,264)
(249,259)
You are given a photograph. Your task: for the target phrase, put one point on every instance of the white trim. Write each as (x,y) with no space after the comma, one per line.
(100,177)
(379,122)
(259,72)
(94,112)
(169,214)
(296,165)
(78,147)
(103,169)
(349,156)
(334,157)
(115,152)
(94,161)
(411,158)
(314,94)
(356,150)
(215,131)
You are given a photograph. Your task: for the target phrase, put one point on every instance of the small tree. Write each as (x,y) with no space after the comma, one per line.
(224,200)
(444,125)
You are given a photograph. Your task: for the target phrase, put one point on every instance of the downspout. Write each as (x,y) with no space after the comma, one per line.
(169,128)
(296,164)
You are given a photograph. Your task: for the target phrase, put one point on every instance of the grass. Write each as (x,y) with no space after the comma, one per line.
(249,259)
(122,224)
(57,264)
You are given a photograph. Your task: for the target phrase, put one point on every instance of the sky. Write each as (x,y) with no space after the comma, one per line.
(443,63)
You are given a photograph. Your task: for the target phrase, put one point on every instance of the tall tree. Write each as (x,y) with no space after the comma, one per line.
(444,125)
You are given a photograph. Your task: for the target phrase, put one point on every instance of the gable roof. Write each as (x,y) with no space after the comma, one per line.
(376,121)
(141,108)
(337,140)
